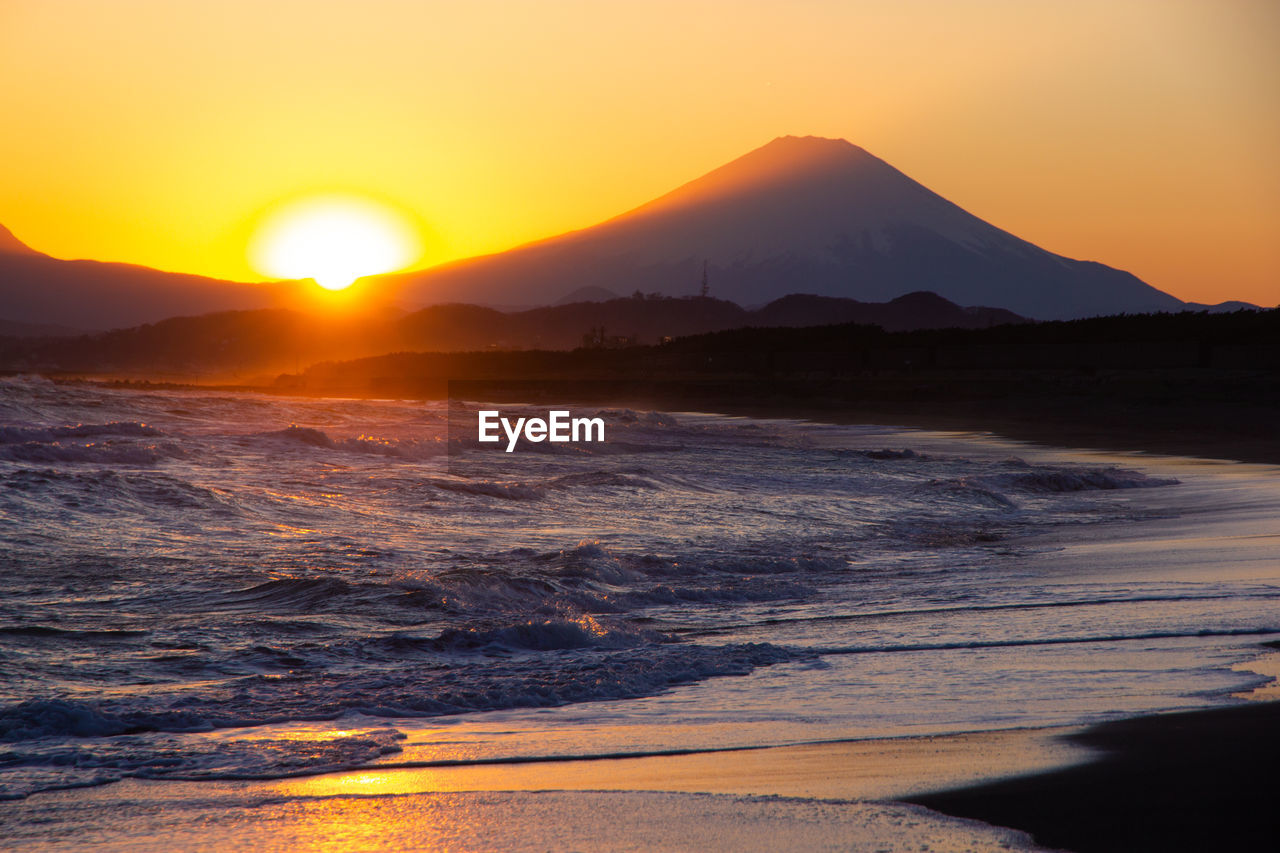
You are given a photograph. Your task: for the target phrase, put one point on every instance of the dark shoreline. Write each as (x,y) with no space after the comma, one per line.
(1193,781)
(1122,430)
(1191,384)
(1241,431)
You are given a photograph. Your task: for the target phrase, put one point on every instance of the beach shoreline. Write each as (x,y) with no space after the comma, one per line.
(1240,431)
(1192,780)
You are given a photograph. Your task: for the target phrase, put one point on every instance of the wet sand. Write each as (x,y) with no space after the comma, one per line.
(879,769)
(830,796)
(1189,781)
(1202,780)
(146,818)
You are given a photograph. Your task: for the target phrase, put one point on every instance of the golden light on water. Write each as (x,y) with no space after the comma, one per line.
(334,239)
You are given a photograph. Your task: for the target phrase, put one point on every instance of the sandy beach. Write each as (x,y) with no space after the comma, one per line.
(833,796)
(1193,781)
(1190,781)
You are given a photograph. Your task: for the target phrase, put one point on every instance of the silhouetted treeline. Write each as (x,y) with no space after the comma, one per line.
(1244,340)
(1191,383)
(276,340)
(1245,326)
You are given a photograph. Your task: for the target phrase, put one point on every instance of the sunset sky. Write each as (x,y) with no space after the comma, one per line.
(1145,135)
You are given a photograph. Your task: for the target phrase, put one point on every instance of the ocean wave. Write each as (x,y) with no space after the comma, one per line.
(991,488)
(934,534)
(301,435)
(401,448)
(584,632)
(42,718)
(735,592)
(25,771)
(884,454)
(766,564)
(595,559)
(590,580)
(1076,480)
(973,489)
(613,447)
(1260,631)
(985,608)
(101,452)
(116,490)
(27,380)
(489,489)
(24,434)
(632,417)
(50,632)
(283,593)
(408,690)
(310,437)
(599,479)
(538,490)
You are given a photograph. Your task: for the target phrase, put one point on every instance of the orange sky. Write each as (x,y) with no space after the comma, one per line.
(1142,134)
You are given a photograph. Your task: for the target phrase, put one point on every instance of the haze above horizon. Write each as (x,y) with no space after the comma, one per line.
(1138,134)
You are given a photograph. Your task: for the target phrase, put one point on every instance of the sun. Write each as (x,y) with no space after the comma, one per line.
(333,239)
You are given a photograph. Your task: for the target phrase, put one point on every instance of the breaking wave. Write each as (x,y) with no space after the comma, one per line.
(22,435)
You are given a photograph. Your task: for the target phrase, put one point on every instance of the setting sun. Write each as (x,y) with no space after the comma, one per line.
(334,240)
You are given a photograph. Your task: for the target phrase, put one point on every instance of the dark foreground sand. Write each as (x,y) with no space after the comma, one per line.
(1201,780)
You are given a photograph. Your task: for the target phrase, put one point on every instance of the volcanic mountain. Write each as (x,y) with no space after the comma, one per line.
(38,292)
(799,215)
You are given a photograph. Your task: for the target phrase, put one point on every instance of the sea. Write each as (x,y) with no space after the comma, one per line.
(201,585)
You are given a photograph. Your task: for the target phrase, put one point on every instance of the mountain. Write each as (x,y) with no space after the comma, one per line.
(587,294)
(799,215)
(10,329)
(1222,307)
(649,319)
(38,291)
(11,245)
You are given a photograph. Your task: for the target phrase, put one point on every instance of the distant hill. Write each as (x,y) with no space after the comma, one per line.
(9,329)
(37,290)
(282,340)
(1223,307)
(588,294)
(799,215)
(1187,383)
(10,244)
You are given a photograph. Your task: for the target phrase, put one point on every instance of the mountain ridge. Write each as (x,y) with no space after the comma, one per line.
(10,244)
(279,339)
(799,214)
(36,289)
